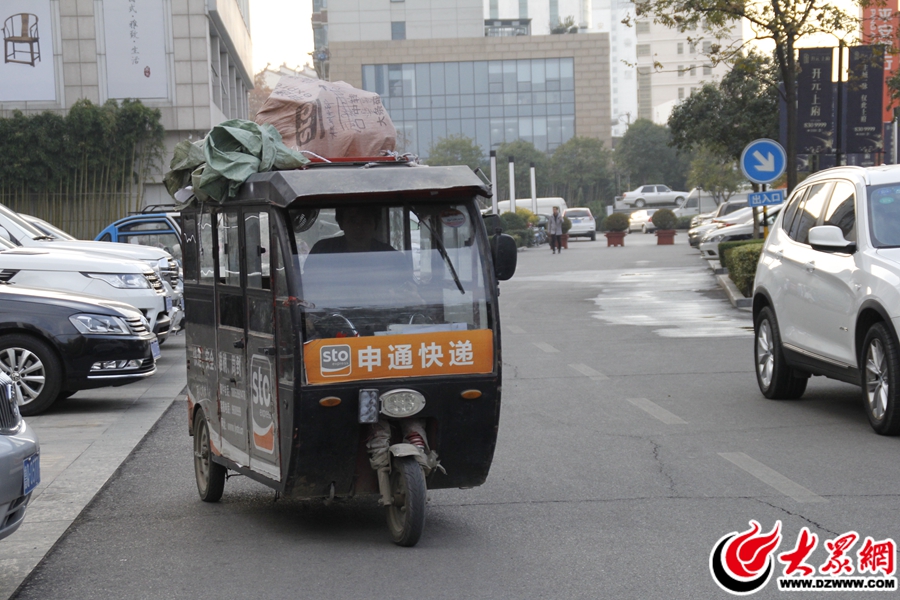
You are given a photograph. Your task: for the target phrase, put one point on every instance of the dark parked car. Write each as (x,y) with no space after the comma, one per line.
(53,344)
(20,468)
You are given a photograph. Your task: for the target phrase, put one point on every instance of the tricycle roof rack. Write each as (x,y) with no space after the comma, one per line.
(371,178)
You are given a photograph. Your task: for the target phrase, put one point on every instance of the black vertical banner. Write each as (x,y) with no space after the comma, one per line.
(862,111)
(815,102)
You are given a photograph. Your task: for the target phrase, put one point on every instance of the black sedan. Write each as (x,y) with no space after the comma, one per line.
(53,344)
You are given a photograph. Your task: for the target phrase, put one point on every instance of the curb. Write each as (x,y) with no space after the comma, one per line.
(735,296)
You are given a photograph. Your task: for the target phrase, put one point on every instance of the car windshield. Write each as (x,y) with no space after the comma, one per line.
(578,212)
(382,270)
(884,215)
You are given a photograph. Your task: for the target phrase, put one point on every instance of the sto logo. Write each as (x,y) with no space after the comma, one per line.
(742,563)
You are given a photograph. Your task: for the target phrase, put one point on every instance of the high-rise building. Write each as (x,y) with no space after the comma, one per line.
(191,59)
(486,69)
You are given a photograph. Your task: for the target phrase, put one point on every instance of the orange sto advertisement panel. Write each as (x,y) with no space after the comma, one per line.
(338,360)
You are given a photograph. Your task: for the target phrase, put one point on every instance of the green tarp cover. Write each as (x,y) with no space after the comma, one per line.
(233,151)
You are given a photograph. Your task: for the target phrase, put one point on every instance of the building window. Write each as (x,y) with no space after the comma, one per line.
(627,74)
(398,30)
(693,70)
(680,47)
(693,47)
(681,70)
(642,27)
(643,49)
(707,47)
(707,69)
(523,9)
(681,93)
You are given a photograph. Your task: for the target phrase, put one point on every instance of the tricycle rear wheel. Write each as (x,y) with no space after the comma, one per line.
(210,475)
(406,514)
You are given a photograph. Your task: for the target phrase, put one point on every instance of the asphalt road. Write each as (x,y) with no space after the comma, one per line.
(633,437)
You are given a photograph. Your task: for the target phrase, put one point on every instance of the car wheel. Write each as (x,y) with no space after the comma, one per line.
(679,199)
(640,203)
(210,475)
(644,229)
(593,236)
(777,381)
(35,370)
(880,370)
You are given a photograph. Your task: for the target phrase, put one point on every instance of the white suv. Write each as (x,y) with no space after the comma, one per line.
(583,224)
(826,300)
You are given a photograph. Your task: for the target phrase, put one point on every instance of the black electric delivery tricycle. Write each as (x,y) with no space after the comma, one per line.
(343,333)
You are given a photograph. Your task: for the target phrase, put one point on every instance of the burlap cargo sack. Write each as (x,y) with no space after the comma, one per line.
(332,119)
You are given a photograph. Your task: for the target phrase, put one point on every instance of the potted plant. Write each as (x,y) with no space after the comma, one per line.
(665,220)
(616,225)
(566,226)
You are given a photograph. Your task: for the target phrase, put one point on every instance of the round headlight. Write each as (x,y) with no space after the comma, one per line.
(402,403)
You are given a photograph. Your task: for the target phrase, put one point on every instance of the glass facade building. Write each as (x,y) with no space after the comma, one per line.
(490,101)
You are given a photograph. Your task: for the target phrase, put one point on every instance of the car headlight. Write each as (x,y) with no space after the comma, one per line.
(122,281)
(99,324)
(402,403)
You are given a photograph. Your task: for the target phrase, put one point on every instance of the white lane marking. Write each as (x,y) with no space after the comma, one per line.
(515,329)
(589,372)
(545,347)
(772,477)
(655,410)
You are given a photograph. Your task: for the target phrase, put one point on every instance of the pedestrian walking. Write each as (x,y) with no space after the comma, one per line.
(555,230)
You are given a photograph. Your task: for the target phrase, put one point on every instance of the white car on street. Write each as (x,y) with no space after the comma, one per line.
(709,245)
(640,221)
(656,194)
(826,298)
(130,281)
(583,224)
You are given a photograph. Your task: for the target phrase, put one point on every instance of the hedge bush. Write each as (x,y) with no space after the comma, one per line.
(683,222)
(664,219)
(513,221)
(743,261)
(725,249)
(616,222)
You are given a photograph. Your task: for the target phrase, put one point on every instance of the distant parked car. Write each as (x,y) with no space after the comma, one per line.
(153,228)
(583,224)
(640,221)
(53,344)
(20,458)
(648,195)
(709,245)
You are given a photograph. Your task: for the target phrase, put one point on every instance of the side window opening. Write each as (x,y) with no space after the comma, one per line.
(841,211)
(810,211)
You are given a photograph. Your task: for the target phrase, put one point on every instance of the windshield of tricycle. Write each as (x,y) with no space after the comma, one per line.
(388,277)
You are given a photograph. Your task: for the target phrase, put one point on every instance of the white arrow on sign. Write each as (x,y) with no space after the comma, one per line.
(766,163)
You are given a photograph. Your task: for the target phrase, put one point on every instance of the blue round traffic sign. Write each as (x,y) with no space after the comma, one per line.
(763,161)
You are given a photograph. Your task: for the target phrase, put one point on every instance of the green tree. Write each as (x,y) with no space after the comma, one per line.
(524,154)
(783,22)
(456,150)
(723,118)
(717,175)
(646,156)
(581,172)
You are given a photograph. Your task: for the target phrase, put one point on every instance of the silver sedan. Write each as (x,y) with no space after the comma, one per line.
(20,470)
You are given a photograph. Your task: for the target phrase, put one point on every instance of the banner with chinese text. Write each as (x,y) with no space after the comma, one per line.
(880,24)
(862,111)
(338,360)
(135,39)
(815,102)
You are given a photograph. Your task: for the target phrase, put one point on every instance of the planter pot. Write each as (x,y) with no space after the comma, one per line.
(565,240)
(615,238)
(665,237)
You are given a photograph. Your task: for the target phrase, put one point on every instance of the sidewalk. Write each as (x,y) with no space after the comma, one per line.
(83,441)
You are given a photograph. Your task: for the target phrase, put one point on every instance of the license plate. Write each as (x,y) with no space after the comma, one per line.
(168,304)
(154,348)
(32,470)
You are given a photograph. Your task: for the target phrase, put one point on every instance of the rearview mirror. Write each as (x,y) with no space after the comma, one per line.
(505,255)
(828,238)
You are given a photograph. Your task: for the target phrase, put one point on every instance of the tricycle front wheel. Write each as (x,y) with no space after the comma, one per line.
(406,514)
